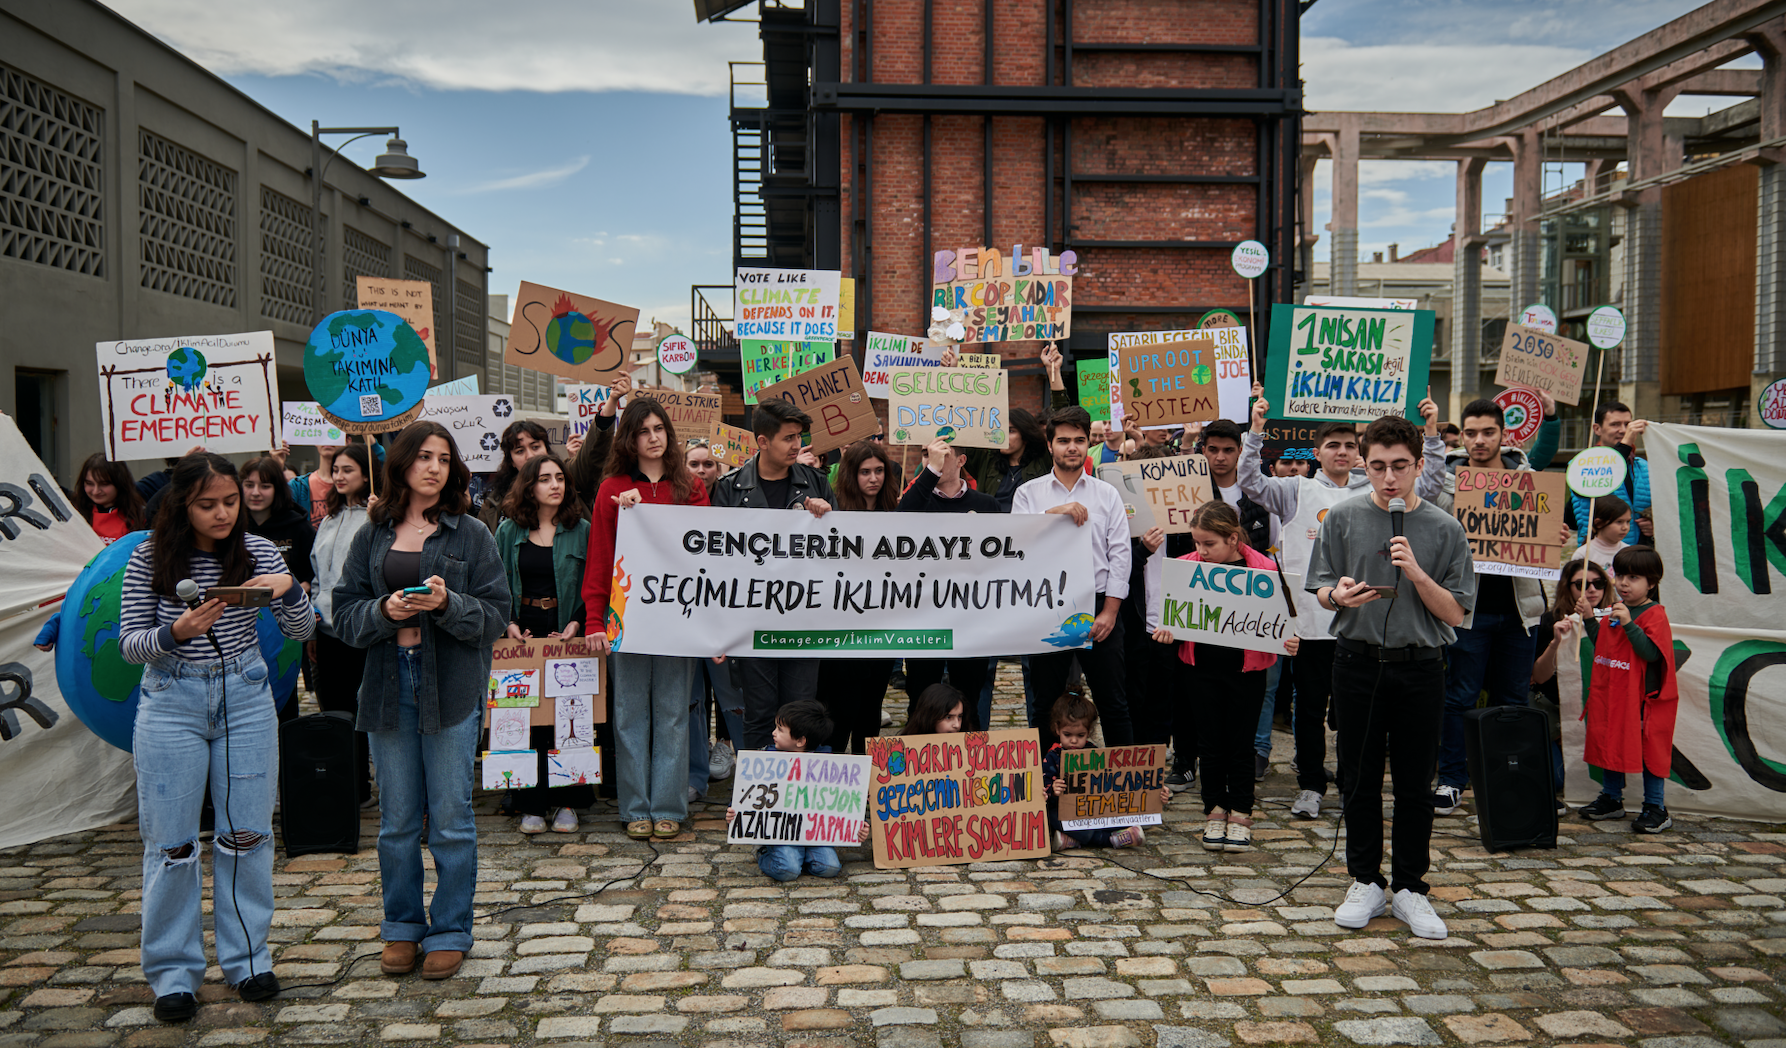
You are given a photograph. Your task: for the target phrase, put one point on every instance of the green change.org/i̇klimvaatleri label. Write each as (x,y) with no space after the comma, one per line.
(853,640)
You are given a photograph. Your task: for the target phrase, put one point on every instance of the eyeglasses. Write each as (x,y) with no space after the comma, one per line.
(1399,468)
(1589,584)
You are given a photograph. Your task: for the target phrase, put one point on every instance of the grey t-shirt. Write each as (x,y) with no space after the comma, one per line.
(1354,542)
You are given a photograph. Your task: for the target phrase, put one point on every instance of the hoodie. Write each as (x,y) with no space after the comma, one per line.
(290,532)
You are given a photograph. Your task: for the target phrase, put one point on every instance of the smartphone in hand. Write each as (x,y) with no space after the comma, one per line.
(242,596)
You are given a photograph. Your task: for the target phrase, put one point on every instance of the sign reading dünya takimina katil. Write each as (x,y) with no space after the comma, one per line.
(798,798)
(1347,365)
(967,797)
(699,582)
(1228,605)
(1005,298)
(368,369)
(160,396)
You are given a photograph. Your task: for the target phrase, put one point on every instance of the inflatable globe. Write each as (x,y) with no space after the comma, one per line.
(366,365)
(99,686)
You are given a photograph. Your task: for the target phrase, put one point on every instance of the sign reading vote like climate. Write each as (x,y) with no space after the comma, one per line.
(160,396)
(1513,519)
(971,797)
(1347,365)
(1537,359)
(967,407)
(798,798)
(795,305)
(1117,786)
(1227,605)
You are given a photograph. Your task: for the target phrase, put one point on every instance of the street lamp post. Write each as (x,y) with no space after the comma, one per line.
(394,162)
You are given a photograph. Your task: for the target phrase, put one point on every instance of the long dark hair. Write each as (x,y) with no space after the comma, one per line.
(335,503)
(271,471)
(455,494)
(932,705)
(624,458)
(522,505)
(128,501)
(849,490)
(511,439)
(172,536)
(1035,442)
(1565,603)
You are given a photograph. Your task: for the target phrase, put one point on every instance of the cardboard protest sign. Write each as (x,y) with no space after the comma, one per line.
(557,427)
(574,767)
(733,446)
(1006,298)
(1289,437)
(1360,303)
(572,336)
(972,797)
(966,406)
(766,363)
(302,424)
(793,305)
(368,370)
(1349,365)
(1093,379)
(1169,378)
(533,674)
(1172,488)
(885,352)
(413,300)
(476,424)
(160,396)
(1135,502)
(1540,360)
(1226,605)
(1514,520)
(833,395)
(584,402)
(1118,786)
(692,414)
(798,798)
(846,308)
(459,387)
(983,361)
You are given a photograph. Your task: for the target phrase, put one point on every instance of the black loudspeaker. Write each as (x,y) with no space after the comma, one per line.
(1510,765)
(319,804)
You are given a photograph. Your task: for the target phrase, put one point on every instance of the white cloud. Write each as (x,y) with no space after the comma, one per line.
(1426,78)
(535,179)
(542,45)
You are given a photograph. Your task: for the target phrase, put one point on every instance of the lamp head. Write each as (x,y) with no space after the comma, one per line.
(395,162)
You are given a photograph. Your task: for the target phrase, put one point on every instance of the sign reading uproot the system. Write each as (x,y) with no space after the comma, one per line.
(700,582)
(799,798)
(973,797)
(571,336)
(692,414)
(1168,378)
(1161,492)
(1539,360)
(1118,786)
(766,363)
(886,352)
(1004,299)
(160,396)
(1347,365)
(833,396)
(965,406)
(1227,605)
(796,305)
(1513,519)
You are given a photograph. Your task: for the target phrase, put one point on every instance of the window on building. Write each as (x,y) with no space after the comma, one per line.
(285,254)
(52,177)
(186,206)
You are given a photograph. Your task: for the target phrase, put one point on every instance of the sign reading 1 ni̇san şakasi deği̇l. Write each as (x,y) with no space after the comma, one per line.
(798,798)
(1347,365)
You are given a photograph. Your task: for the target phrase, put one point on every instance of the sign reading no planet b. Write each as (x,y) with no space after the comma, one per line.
(1119,786)
(798,798)
(1227,605)
(969,797)
(699,582)
(1513,519)
(833,397)
(1347,365)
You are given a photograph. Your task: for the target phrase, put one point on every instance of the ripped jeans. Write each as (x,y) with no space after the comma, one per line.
(182,736)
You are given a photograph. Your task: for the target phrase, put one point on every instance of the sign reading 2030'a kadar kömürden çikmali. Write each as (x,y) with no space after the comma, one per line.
(160,396)
(1347,365)
(1006,298)
(698,582)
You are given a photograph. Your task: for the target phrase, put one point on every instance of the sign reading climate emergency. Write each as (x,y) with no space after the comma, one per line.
(1227,605)
(1513,519)
(798,798)
(971,797)
(160,396)
(701,581)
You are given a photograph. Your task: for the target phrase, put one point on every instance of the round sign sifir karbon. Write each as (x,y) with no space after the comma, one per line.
(677,354)
(1250,258)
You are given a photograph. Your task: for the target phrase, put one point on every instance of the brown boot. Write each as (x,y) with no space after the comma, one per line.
(442,964)
(398,958)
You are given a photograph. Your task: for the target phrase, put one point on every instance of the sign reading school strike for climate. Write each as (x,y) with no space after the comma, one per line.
(964,406)
(969,797)
(1161,492)
(1006,298)
(886,352)
(1118,786)
(693,414)
(1347,365)
(1227,605)
(795,305)
(1513,519)
(798,798)
(832,395)
(1169,378)
(1541,360)
(160,396)
(700,582)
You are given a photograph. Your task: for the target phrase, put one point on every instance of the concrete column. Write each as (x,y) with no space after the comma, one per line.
(1306,237)
(1343,273)
(1770,208)
(1466,288)
(1648,153)
(1528,202)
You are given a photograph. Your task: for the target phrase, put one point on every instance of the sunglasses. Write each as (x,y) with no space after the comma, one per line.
(1590,584)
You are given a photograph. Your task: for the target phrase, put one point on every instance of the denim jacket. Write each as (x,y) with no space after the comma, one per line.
(456,639)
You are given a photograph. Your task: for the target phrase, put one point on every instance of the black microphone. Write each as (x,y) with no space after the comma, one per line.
(188,591)
(1396,508)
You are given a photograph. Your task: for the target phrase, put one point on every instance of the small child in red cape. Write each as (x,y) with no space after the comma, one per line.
(1632,694)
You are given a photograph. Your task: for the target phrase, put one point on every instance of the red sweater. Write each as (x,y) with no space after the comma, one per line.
(598,571)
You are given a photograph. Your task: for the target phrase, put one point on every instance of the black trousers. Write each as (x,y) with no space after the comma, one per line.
(336,675)
(1171,679)
(853,691)
(1103,666)
(1312,671)
(1226,702)
(1389,712)
(967,676)
(542,800)
(770,684)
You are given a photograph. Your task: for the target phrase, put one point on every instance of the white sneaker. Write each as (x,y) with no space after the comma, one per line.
(1307,806)
(565,821)
(1240,836)
(532,824)
(694,796)
(886,719)
(1215,833)
(1363,902)
(1412,909)
(1446,800)
(720,760)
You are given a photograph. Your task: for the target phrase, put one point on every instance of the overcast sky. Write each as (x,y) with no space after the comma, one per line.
(587,141)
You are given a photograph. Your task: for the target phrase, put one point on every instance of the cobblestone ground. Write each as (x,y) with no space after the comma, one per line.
(1671,941)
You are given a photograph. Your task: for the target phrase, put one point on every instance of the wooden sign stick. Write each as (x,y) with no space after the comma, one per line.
(371,467)
(1589,523)
(1252,330)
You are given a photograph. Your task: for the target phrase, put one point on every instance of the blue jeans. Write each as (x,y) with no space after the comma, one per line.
(1612,783)
(651,735)
(199,719)
(697,730)
(784,862)
(1262,739)
(1495,654)
(431,773)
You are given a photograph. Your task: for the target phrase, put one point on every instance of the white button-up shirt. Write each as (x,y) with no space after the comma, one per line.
(1108,522)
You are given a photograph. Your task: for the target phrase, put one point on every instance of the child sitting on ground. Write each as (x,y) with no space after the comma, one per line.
(1632,693)
(798,727)
(1072,719)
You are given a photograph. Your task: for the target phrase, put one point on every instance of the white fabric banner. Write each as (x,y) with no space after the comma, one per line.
(696,581)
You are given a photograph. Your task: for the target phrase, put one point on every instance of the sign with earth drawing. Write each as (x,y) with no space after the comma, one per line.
(569,335)
(367,369)
(160,396)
